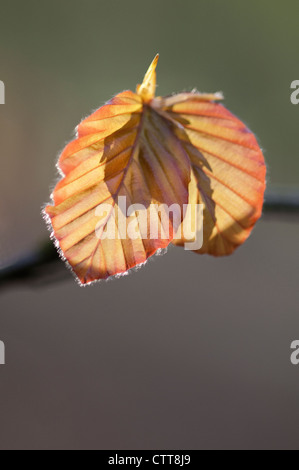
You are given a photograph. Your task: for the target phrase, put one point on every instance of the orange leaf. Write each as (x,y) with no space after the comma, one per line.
(228,169)
(153,152)
(123,150)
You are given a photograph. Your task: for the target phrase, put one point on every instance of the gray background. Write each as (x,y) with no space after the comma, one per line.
(190,351)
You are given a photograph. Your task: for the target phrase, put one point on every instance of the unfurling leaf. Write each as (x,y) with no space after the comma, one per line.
(140,158)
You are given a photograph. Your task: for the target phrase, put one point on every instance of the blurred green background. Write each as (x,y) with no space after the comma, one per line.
(61,59)
(191,351)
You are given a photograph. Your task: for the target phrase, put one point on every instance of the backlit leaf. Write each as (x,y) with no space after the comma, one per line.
(153,152)
(125,149)
(228,169)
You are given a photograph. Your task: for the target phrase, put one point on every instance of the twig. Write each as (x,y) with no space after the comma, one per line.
(44,266)
(278,204)
(39,268)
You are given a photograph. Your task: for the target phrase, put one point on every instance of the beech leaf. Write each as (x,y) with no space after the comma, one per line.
(154,153)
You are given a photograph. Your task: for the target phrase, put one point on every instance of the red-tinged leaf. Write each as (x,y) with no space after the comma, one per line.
(154,151)
(125,149)
(228,168)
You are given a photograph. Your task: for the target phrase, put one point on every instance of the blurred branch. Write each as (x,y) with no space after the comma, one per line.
(44,266)
(281,204)
(36,269)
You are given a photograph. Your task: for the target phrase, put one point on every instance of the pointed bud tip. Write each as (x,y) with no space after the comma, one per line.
(148,87)
(155,61)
